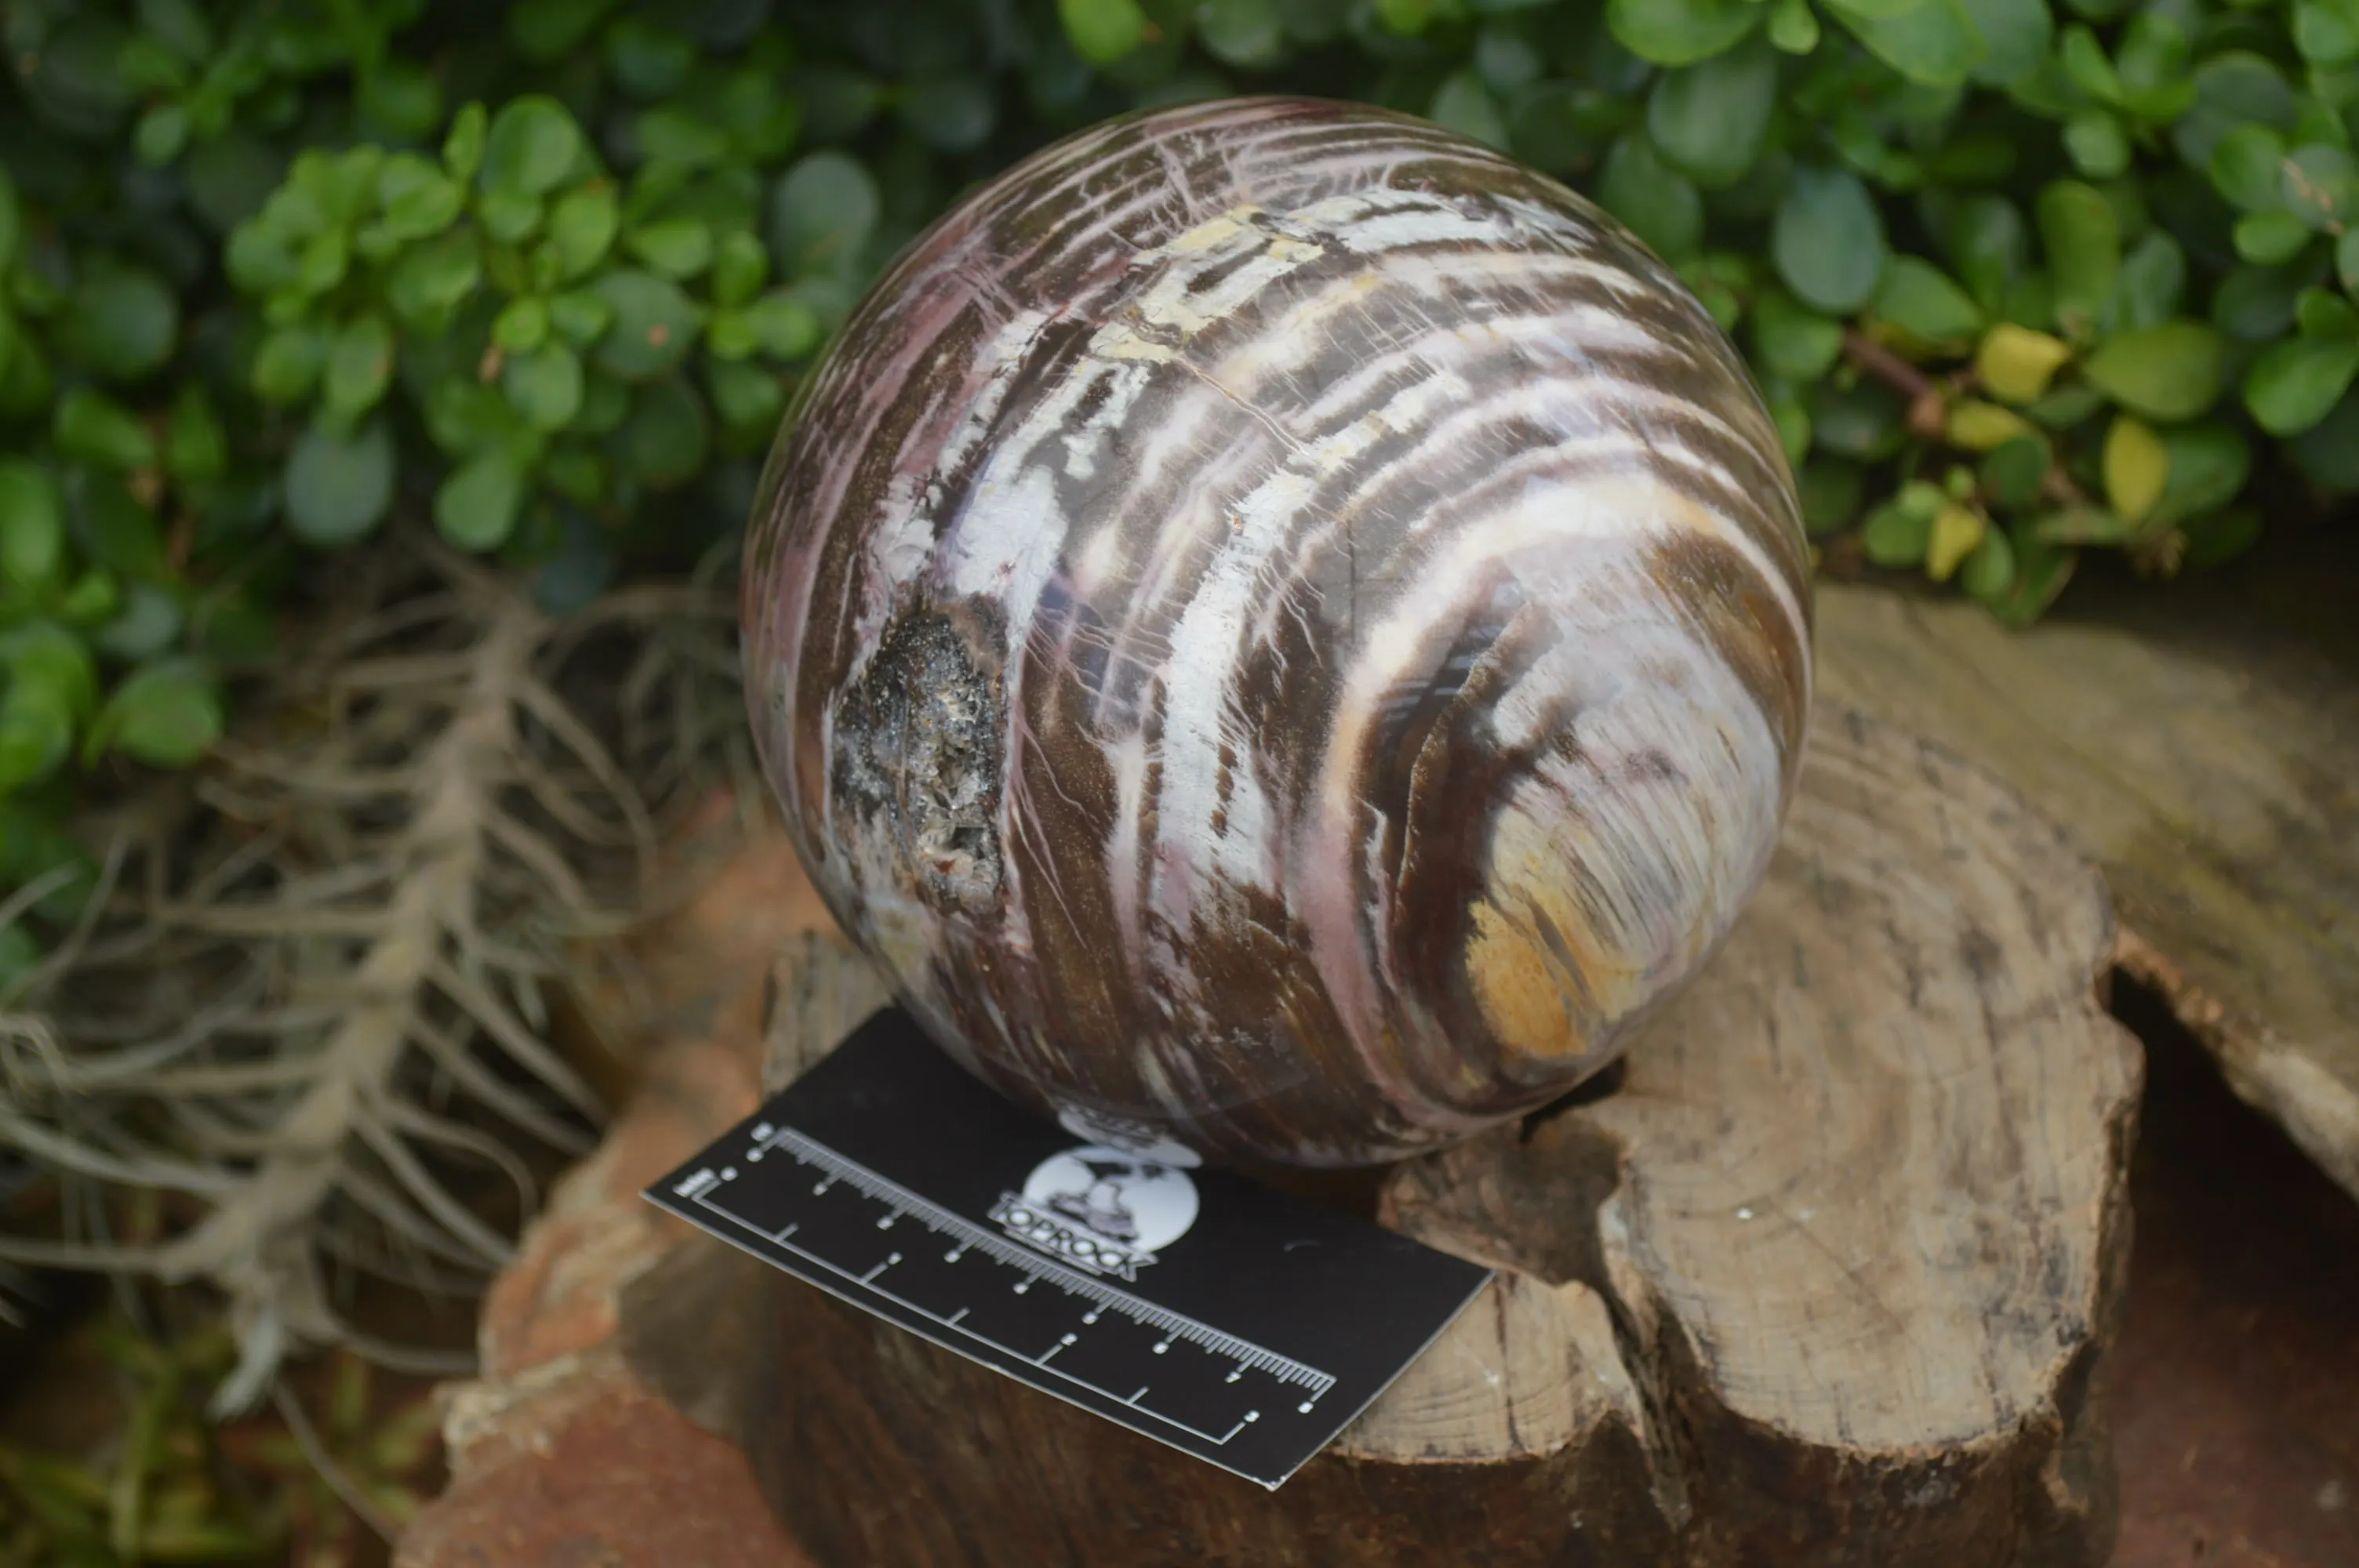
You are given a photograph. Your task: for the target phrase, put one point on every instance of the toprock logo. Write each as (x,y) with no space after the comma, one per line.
(1108,1206)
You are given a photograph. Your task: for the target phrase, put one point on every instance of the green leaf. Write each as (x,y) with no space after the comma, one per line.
(954,113)
(45,655)
(510,217)
(2086,65)
(1830,489)
(287,363)
(32,526)
(676,140)
(2328,452)
(1793,27)
(359,366)
(91,427)
(1988,244)
(2209,466)
(655,324)
(1933,43)
(1465,105)
(2041,570)
(2012,473)
(2246,166)
(1679,32)
(322,264)
(2083,240)
(579,315)
(541,30)
(648,60)
(1897,537)
(1917,297)
(1989,571)
(2322,314)
(119,323)
(165,714)
(1248,33)
(2320,185)
(544,387)
(581,226)
(1709,120)
(150,622)
(2255,303)
(2152,286)
(530,146)
(782,326)
(2326,33)
(35,734)
(663,442)
(415,198)
(432,281)
(1861,421)
(462,148)
(2097,144)
(746,396)
(521,326)
(113,528)
(161,136)
(477,506)
(2166,372)
(2294,383)
(2017,34)
(399,100)
(1793,340)
(1828,240)
(2151,57)
(1103,31)
(339,485)
(194,444)
(2270,238)
(822,212)
(678,248)
(1656,200)
(740,267)
(2232,88)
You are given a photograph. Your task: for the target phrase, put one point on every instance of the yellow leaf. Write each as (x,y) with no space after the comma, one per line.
(2137,465)
(1980,427)
(2016,363)
(1956,531)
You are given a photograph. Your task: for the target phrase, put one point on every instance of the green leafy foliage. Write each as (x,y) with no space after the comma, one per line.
(2019,280)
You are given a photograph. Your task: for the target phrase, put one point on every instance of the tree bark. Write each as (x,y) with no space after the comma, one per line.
(1827,1277)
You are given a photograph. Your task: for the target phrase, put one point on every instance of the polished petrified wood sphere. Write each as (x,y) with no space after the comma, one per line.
(1277,623)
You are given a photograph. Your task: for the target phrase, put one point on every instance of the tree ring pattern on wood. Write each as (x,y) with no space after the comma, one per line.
(1279,622)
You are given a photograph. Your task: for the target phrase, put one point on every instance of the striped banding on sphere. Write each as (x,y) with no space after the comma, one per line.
(1276,622)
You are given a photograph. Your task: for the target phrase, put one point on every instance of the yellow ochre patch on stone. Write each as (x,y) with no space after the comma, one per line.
(1212,232)
(1541,972)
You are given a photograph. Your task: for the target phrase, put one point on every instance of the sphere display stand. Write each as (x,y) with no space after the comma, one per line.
(1829,1274)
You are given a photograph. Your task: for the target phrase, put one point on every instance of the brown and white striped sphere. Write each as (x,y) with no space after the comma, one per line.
(1279,623)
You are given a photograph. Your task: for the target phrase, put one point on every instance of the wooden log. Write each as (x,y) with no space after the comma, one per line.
(2200,739)
(1828,1277)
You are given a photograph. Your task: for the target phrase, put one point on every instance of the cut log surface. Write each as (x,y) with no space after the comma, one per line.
(2201,740)
(1828,1277)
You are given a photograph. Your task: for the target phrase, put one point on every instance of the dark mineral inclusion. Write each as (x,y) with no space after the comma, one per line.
(917,763)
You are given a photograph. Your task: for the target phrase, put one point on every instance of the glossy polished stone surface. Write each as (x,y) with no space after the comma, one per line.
(1276,622)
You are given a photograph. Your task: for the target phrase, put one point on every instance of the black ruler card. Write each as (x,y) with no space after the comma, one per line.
(1242,1324)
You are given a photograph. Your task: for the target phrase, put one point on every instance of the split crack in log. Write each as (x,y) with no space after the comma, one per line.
(1828,1279)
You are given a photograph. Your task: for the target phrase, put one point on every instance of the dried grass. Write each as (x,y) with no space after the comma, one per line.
(309,1001)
